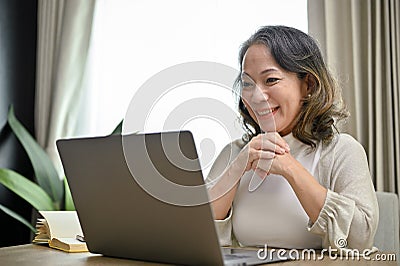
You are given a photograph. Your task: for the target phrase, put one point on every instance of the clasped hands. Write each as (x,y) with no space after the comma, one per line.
(267,153)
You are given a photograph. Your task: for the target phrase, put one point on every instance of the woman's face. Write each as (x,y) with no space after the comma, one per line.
(272,95)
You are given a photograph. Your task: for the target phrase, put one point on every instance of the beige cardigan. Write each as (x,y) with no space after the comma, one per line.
(350,211)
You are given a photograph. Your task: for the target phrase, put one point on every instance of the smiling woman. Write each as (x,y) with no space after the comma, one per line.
(294,181)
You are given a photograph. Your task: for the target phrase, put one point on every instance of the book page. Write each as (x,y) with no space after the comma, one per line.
(62,224)
(42,232)
(68,245)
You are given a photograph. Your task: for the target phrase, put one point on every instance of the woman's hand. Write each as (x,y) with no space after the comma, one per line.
(259,154)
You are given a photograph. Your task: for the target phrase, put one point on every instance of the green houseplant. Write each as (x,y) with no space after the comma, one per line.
(48,191)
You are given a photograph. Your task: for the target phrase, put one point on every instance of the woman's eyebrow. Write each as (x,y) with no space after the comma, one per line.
(268,70)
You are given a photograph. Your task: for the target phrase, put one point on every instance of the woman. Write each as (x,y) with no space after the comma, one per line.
(293,181)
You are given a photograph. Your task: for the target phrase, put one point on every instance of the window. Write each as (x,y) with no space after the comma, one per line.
(134,40)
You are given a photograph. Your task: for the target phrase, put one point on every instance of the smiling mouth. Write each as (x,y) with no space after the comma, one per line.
(266,112)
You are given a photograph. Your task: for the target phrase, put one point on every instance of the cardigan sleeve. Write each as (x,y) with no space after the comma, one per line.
(224,230)
(227,155)
(349,217)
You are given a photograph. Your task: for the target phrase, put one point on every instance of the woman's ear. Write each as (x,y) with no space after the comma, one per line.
(311,84)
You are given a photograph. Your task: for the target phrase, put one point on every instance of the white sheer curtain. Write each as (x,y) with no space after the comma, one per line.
(64,30)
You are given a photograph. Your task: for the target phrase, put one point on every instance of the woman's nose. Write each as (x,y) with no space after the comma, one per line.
(258,95)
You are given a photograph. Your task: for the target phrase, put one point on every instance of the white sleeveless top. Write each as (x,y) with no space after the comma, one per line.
(272,214)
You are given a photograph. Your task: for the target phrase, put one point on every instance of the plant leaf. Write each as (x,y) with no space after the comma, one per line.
(26,189)
(118,129)
(69,203)
(17,217)
(45,172)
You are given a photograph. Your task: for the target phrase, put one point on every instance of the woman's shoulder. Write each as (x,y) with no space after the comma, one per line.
(343,143)
(345,139)
(343,157)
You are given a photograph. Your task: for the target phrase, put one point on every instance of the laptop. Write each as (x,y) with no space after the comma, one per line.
(124,214)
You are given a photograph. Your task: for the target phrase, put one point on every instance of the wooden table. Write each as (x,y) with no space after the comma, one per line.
(31,254)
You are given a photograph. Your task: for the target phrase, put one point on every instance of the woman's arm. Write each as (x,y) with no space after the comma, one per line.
(350,212)
(223,193)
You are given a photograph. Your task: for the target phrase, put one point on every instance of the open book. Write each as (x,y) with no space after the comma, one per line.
(61,230)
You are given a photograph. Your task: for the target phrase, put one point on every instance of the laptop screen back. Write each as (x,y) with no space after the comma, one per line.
(119,218)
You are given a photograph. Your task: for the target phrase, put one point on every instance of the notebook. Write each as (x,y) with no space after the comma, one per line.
(127,211)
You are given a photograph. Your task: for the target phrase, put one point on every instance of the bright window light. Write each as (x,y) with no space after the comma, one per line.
(134,40)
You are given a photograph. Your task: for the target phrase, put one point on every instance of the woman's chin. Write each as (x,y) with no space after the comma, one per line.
(268,127)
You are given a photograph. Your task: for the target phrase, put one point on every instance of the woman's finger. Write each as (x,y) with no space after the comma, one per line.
(271,142)
(260,154)
(274,137)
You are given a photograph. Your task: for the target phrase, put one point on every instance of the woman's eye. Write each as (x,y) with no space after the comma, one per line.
(246,84)
(271,80)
